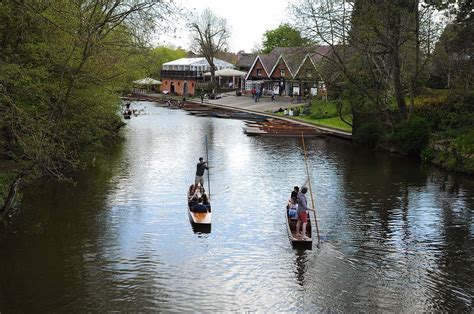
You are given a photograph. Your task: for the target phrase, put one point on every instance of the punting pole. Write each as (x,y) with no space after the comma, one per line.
(208,175)
(310,189)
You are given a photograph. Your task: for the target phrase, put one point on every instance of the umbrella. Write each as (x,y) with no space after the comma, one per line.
(147,81)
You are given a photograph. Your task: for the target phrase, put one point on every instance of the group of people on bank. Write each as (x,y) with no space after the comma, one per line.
(298,209)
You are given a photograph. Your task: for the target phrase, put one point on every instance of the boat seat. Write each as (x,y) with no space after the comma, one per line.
(200,216)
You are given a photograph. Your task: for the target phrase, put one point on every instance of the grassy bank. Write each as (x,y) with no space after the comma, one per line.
(322,113)
(333,122)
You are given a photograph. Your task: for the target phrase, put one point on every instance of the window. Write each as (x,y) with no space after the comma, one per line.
(259,72)
(282,72)
(309,73)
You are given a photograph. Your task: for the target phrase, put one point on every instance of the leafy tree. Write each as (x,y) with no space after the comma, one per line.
(282,36)
(62,65)
(159,55)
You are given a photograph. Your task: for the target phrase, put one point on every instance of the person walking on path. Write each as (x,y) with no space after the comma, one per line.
(200,168)
(302,214)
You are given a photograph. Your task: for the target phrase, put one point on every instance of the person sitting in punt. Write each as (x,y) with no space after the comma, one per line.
(293,208)
(205,201)
(193,202)
(199,207)
(294,193)
(191,190)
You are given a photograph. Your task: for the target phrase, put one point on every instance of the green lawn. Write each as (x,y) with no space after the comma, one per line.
(334,122)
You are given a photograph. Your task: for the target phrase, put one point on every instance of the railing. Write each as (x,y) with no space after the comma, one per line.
(181,74)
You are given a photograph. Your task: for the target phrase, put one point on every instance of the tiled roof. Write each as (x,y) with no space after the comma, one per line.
(293,56)
(319,53)
(245,60)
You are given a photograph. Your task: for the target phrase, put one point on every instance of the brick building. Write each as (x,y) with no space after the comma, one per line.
(290,71)
(179,77)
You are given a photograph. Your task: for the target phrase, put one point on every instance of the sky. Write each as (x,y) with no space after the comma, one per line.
(248,20)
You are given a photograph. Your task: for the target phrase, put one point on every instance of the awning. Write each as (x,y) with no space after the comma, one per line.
(227,73)
(147,81)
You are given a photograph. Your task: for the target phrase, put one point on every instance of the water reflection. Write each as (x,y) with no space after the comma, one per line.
(301,266)
(395,237)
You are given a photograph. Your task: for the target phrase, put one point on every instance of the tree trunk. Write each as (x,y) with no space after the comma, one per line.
(8,202)
(397,82)
(213,70)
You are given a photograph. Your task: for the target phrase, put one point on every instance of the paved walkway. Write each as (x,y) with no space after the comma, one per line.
(266,106)
(246,102)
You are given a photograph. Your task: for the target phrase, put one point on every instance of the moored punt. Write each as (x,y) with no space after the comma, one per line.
(127,114)
(200,221)
(296,241)
(275,127)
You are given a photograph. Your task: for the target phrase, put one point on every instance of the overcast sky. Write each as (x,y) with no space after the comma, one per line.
(248,20)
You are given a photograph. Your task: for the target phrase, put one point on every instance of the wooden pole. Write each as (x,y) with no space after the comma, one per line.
(208,175)
(309,185)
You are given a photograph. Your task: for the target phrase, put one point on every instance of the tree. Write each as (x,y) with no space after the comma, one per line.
(454,53)
(379,46)
(282,36)
(62,65)
(210,34)
(159,55)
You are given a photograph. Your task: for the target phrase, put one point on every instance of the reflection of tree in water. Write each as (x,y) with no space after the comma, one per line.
(301,263)
(453,277)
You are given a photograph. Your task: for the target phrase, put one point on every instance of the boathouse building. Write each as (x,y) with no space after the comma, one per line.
(290,71)
(181,76)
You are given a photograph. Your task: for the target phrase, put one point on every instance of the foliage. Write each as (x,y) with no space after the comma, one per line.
(429,98)
(208,88)
(60,77)
(457,154)
(369,133)
(282,36)
(323,109)
(412,136)
(159,55)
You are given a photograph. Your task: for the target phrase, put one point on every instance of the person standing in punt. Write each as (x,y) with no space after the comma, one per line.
(302,213)
(200,168)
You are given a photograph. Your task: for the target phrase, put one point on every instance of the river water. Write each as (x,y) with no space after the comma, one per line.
(395,236)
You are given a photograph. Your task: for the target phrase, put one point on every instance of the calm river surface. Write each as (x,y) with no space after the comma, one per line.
(396,237)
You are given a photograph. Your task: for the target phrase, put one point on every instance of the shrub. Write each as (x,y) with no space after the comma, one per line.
(413,136)
(369,133)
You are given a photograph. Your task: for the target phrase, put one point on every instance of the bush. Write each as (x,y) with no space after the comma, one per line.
(369,133)
(413,136)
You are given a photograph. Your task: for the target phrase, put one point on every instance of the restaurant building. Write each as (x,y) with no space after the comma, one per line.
(180,77)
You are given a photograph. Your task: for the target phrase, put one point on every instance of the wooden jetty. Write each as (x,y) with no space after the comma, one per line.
(276,127)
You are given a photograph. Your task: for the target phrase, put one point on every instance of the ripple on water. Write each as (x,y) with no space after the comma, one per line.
(394,237)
